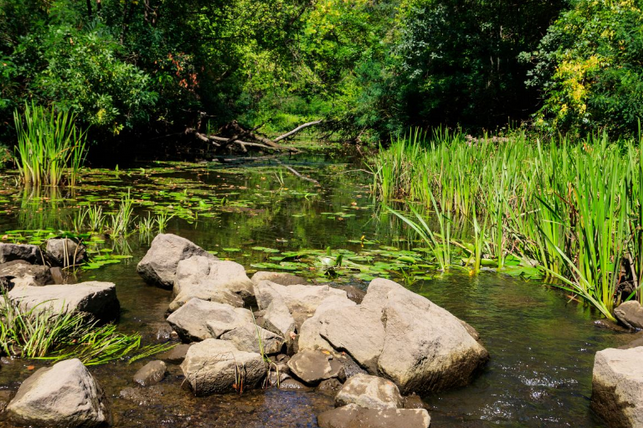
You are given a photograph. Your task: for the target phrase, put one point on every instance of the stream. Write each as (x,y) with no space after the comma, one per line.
(542,345)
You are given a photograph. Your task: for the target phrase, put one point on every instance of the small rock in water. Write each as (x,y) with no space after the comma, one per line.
(292,384)
(630,313)
(313,366)
(414,401)
(610,325)
(164,333)
(65,252)
(329,386)
(150,374)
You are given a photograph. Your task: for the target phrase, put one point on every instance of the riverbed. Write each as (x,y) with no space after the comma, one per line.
(260,214)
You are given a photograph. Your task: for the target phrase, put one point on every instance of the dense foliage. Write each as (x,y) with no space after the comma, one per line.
(369,68)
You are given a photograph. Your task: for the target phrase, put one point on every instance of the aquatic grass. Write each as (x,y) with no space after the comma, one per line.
(573,210)
(122,220)
(50,148)
(39,333)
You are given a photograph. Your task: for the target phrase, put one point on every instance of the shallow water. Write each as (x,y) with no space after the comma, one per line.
(542,346)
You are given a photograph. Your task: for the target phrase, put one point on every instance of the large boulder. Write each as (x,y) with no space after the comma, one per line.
(310,331)
(217,366)
(65,252)
(213,280)
(158,267)
(354,416)
(199,319)
(64,395)
(97,299)
(371,392)
(617,386)
(392,332)
(29,253)
(630,313)
(19,273)
(416,328)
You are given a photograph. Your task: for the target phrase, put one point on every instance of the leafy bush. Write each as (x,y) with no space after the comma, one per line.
(590,68)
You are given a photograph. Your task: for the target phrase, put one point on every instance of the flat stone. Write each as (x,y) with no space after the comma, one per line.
(199,319)
(64,395)
(314,366)
(94,298)
(371,392)
(158,266)
(617,386)
(630,313)
(353,416)
(151,373)
(217,366)
(293,385)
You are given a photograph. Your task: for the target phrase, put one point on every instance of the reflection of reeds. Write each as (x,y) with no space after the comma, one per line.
(575,209)
(50,147)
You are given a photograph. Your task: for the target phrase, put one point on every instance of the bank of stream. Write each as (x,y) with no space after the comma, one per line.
(261,215)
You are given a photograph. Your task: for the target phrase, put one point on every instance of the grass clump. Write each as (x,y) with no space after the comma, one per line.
(50,147)
(40,333)
(574,210)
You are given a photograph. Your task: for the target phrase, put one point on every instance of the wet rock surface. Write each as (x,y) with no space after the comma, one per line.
(353,416)
(313,366)
(617,386)
(150,374)
(65,252)
(65,394)
(371,392)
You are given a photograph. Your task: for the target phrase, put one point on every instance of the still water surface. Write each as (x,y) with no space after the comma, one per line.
(542,346)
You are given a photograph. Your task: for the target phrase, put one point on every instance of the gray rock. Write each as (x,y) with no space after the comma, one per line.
(252,338)
(298,298)
(19,273)
(415,328)
(199,319)
(329,387)
(65,252)
(356,330)
(277,318)
(310,331)
(29,253)
(630,313)
(64,395)
(94,298)
(371,392)
(217,366)
(353,416)
(212,280)
(175,355)
(617,386)
(282,278)
(151,373)
(314,366)
(158,267)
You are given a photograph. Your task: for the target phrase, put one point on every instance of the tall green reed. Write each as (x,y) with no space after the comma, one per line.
(50,147)
(572,209)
